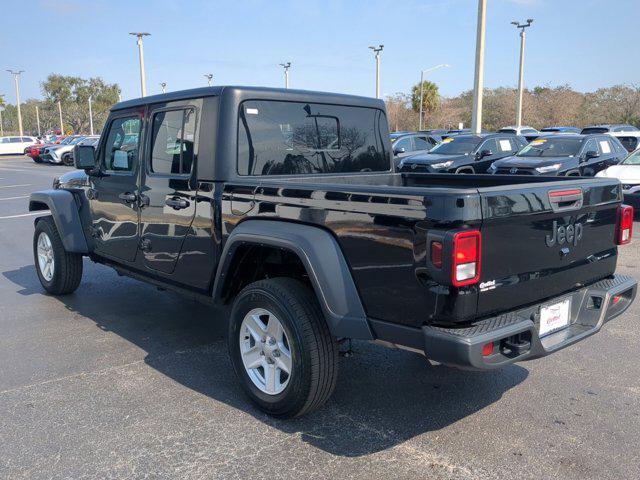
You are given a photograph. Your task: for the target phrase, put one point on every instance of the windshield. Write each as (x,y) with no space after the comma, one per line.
(552,147)
(507,130)
(66,141)
(76,140)
(632,159)
(456,146)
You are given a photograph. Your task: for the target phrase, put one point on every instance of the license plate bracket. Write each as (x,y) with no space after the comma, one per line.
(554,316)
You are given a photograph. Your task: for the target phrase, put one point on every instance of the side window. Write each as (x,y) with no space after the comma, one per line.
(122,145)
(605,146)
(505,145)
(404,143)
(489,145)
(26,140)
(590,146)
(15,140)
(172,141)
(422,143)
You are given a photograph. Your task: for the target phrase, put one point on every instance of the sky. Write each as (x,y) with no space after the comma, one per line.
(584,43)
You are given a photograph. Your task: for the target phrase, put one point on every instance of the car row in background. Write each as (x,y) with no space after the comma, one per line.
(463,153)
(409,143)
(61,153)
(628,172)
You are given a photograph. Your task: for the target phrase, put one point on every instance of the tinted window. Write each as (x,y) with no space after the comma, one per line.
(172,141)
(456,146)
(16,140)
(551,147)
(588,130)
(507,130)
(528,131)
(591,146)
(422,143)
(27,139)
(489,145)
(403,143)
(285,138)
(629,143)
(122,144)
(505,145)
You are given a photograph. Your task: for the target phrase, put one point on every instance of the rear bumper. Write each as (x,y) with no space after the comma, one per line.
(515,334)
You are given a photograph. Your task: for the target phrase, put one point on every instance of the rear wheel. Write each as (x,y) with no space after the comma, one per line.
(67,159)
(467,170)
(59,271)
(281,348)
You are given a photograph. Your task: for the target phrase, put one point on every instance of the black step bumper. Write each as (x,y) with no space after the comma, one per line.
(514,335)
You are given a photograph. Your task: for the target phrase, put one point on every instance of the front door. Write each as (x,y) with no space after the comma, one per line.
(168,194)
(113,193)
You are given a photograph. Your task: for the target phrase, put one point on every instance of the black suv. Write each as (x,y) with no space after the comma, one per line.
(464,154)
(567,154)
(280,207)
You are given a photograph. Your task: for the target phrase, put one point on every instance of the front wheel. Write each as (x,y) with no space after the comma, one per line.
(281,348)
(59,271)
(67,159)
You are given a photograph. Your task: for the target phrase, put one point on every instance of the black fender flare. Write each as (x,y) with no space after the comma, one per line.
(64,210)
(324,262)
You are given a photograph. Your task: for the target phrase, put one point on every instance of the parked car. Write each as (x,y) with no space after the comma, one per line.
(569,155)
(464,154)
(629,140)
(606,128)
(529,133)
(58,154)
(560,130)
(628,172)
(15,145)
(405,144)
(437,132)
(477,272)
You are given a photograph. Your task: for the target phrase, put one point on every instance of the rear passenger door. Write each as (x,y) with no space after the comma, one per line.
(169,186)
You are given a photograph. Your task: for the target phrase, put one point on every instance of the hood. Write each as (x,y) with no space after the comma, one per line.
(431,158)
(530,162)
(72,179)
(624,173)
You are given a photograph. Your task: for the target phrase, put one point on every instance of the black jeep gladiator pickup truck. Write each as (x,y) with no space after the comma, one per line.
(283,205)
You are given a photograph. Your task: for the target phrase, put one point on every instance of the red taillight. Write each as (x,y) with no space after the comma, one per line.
(436,254)
(625,225)
(487,349)
(466,258)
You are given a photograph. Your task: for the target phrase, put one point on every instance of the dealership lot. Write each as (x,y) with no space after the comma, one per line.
(121,380)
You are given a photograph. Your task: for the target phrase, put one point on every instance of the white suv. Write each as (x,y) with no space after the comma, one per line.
(16,145)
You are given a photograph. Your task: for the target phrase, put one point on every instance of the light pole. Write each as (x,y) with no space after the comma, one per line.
(209,77)
(163,86)
(1,108)
(143,79)
(522,27)
(377,51)
(16,77)
(90,115)
(478,82)
(422,72)
(286,67)
(60,113)
(38,121)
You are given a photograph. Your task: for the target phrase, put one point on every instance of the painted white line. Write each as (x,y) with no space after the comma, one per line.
(39,212)
(11,186)
(14,198)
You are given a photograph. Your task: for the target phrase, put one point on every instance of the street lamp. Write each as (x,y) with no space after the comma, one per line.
(1,108)
(377,51)
(38,121)
(522,27)
(209,77)
(422,72)
(90,115)
(60,113)
(286,67)
(16,77)
(163,86)
(143,80)
(478,81)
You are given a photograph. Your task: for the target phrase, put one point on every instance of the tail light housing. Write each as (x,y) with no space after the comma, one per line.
(466,264)
(625,225)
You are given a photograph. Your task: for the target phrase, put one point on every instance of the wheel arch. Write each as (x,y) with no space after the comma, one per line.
(318,253)
(64,210)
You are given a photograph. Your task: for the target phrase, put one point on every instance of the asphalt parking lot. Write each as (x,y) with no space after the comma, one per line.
(120,380)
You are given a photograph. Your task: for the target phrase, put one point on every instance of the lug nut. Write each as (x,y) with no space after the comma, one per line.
(270,361)
(276,353)
(272,341)
(263,339)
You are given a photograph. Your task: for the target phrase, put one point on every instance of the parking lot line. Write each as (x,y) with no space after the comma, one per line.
(39,212)
(12,186)
(14,198)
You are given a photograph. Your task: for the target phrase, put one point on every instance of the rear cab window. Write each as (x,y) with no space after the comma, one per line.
(292,138)
(172,141)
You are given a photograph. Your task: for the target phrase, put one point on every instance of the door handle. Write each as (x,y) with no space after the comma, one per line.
(128,197)
(177,203)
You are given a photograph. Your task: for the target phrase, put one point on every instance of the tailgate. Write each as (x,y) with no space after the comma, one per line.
(544,240)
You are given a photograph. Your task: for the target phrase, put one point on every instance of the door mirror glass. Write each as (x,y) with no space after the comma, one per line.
(400,150)
(484,153)
(84,157)
(591,154)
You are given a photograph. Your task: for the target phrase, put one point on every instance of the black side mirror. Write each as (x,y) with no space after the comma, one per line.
(591,154)
(84,157)
(398,151)
(483,153)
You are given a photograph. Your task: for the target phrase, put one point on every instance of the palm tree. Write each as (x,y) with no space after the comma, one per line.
(430,97)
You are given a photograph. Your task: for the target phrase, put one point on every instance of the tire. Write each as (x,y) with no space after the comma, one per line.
(67,267)
(313,351)
(465,170)
(573,173)
(36,159)
(67,160)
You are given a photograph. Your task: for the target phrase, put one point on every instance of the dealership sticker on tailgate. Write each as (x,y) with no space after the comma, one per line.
(555,316)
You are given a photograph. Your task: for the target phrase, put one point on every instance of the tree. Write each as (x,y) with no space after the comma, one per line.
(430,97)
(399,112)
(73,94)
